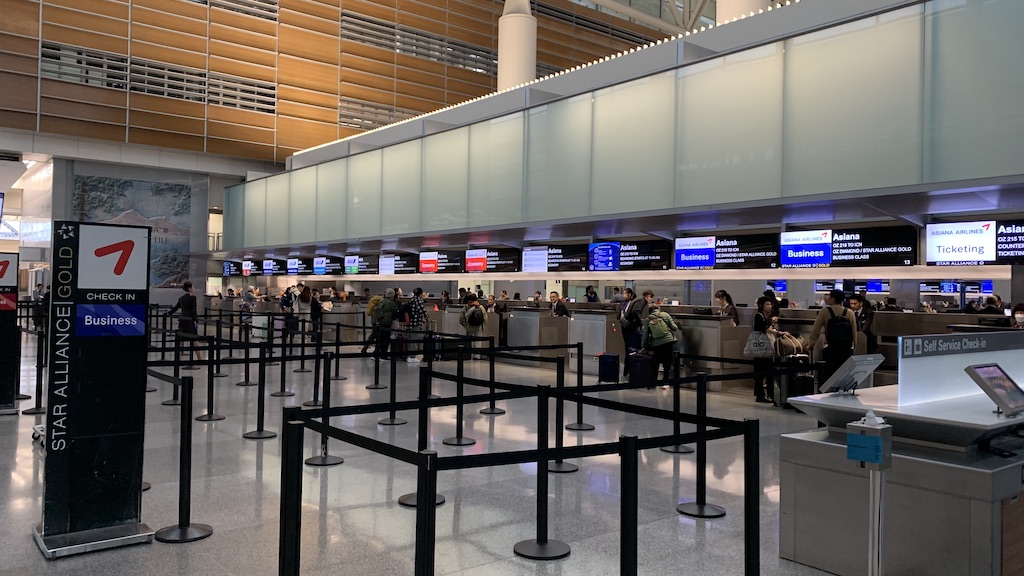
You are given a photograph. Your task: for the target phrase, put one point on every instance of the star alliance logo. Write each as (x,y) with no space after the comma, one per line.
(66,231)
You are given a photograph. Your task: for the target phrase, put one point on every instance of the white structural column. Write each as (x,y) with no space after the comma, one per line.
(517,44)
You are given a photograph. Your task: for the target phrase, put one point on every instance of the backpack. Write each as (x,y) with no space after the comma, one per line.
(475,317)
(384,314)
(838,330)
(658,327)
(286,300)
(405,313)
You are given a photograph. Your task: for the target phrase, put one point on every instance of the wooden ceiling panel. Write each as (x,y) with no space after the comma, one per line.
(301,134)
(166,122)
(19,92)
(162,53)
(19,64)
(183,8)
(419,63)
(84,21)
(310,97)
(330,27)
(81,128)
(242,53)
(243,37)
(16,120)
(85,39)
(165,139)
(168,21)
(248,118)
(420,77)
(308,45)
(19,45)
(241,21)
(83,93)
(233,131)
(163,105)
(307,112)
(377,81)
(242,69)
(171,38)
(239,149)
(111,8)
(326,10)
(82,111)
(376,9)
(21,18)
(306,74)
(424,9)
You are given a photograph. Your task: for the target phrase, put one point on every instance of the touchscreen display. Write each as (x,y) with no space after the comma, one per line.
(999,386)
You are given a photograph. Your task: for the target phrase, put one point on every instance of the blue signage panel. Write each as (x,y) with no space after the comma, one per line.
(695,253)
(111,320)
(863,448)
(806,249)
(603,257)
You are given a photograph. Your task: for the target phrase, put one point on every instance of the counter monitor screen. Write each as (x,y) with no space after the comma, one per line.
(884,246)
(999,386)
(646,255)
(746,252)
(852,374)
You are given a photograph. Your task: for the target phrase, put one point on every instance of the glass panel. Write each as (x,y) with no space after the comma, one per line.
(730,150)
(853,105)
(445,182)
(234,217)
(558,144)
(975,82)
(634,146)
(364,194)
(401,185)
(255,213)
(303,209)
(330,200)
(278,208)
(496,171)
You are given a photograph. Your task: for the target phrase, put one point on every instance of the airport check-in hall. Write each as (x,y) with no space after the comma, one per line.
(686,308)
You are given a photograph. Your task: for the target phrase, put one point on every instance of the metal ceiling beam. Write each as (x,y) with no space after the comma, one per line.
(639,16)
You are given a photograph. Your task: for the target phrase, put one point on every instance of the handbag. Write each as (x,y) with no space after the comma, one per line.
(759,345)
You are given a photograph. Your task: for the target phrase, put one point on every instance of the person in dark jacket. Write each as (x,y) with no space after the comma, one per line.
(631,312)
(865,318)
(188,321)
(557,306)
(991,306)
(658,336)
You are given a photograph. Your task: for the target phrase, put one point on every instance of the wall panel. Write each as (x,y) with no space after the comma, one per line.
(81,128)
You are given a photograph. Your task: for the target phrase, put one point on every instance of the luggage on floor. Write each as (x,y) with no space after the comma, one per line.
(608,367)
(795,378)
(643,370)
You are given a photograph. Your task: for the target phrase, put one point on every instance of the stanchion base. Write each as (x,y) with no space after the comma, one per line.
(433,397)
(550,550)
(34,411)
(146,486)
(259,435)
(302,370)
(677,449)
(313,403)
(171,402)
(695,510)
(220,375)
(324,460)
(492,411)
(246,383)
(190,367)
(8,411)
(392,421)
(284,394)
(561,467)
(458,441)
(209,417)
(339,378)
(182,534)
(409,500)
(273,363)
(376,387)
(23,397)
(579,427)
(150,389)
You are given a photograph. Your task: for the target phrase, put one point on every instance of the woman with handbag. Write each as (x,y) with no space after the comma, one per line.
(761,348)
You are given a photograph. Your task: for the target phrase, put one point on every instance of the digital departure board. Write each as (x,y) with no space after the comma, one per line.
(274,267)
(568,258)
(232,268)
(885,246)
(695,253)
(750,251)
(252,268)
(495,260)
(603,257)
(645,255)
(300,266)
(1010,242)
(328,265)
(442,262)
(357,264)
(535,259)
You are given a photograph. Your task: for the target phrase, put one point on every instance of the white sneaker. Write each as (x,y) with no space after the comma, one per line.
(412,360)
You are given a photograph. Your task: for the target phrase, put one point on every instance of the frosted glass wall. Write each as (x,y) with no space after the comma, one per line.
(928,93)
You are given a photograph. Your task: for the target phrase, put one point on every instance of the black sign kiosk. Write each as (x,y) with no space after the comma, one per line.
(92,480)
(10,336)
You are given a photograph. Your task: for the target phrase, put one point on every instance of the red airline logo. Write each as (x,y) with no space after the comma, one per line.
(3,267)
(985,226)
(124,247)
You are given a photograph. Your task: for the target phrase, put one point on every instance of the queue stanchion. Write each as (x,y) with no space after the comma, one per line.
(751,497)
(40,352)
(219,346)
(541,548)
(176,385)
(245,367)
(422,433)
(628,503)
(337,350)
(271,329)
(261,401)
(393,419)
(677,410)
(211,415)
(324,459)
(184,530)
(165,330)
(231,331)
(302,346)
(376,367)
(579,425)
(491,409)
(191,350)
(41,341)
(290,529)
(460,375)
(426,515)
(700,508)
(316,377)
(559,466)
(282,392)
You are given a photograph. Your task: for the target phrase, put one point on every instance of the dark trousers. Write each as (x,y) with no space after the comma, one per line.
(834,356)
(631,340)
(764,380)
(371,339)
(383,341)
(663,357)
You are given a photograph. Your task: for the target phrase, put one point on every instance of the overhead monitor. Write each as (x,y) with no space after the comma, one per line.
(406,263)
(961,243)
(568,258)
(776,285)
(250,268)
(645,255)
(535,259)
(882,246)
(275,267)
(603,257)
(806,249)
(695,253)
(328,265)
(852,373)
(878,286)
(999,386)
(232,268)
(300,266)
(746,252)
(1,203)
(360,264)
(440,262)
(1010,242)
(501,260)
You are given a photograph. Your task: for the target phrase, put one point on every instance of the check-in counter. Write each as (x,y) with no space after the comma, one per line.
(349,316)
(888,326)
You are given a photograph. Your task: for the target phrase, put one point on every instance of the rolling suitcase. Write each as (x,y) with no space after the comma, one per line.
(608,367)
(795,378)
(643,370)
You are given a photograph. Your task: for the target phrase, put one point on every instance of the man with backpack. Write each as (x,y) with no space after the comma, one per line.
(384,314)
(840,325)
(473,317)
(658,337)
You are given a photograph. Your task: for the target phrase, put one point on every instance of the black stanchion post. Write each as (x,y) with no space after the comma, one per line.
(542,548)
(579,425)
(325,459)
(316,376)
(376,367)
(677,409)
(289,540)
(422,432)
(393,419)
(247,342)
(426,515)
(302,343)
(175,400)
(700,507)
(460,375)
(558,466)
(185,530)
(211,415)
(270,339)
(283,393)
(491,409)
(40,364)
(261,401)
(337,350)
(751,497)
(628,503)
(216,346)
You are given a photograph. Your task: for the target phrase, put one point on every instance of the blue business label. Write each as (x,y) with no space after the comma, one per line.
(862,448)
(111,320)
(695,253)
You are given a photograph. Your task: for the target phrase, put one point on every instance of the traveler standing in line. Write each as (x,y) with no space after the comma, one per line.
(630,313)
(726,307)
(865,318)
(38,314)
(417,314)
(316,315)
(557,306)
(302,308)
(840,327)
(658,337)
(592,295)
(764,380)
(188,321)
(371,307)
(384,315)
(472,318)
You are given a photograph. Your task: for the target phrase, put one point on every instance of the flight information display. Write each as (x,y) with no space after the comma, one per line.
(603,257)
(806,249)
(645,255)
(886,246)
(1010,242)
(695,253)
(961,243)
(232,268)
(440,262)
(751,251)
(495,260)
(300,266)
(274,267)
(356,264)
(535,259)
(877,286)
(251,268)
(568,258)
(328,265)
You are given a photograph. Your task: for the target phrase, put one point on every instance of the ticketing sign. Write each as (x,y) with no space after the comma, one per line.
(961,243)
(232,268)
(300,266)
(535,259)
(274,267)
(568,258)
(357,264)
(645,255)
(328,265)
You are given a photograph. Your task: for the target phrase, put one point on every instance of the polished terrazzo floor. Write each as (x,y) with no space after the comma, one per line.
(351,522)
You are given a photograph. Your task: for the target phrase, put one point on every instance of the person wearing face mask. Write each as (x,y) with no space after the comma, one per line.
(1018,317)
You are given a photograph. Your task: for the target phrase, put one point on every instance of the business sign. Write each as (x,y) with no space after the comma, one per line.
(887,246)
(961,243)
(646,255)
(806,249)
(747,252)
(603,257)
(535,259)
(695,253)
(299,266)
(328,265)
(10,336)
(92,479)
(568,258)
(232,268)
(356,264)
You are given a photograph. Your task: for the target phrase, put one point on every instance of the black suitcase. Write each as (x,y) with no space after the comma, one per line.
(643,370)
(608,367)
(795,378)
